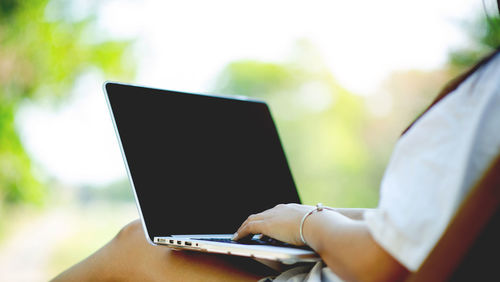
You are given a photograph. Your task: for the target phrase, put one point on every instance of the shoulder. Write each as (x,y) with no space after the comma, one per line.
(488,76)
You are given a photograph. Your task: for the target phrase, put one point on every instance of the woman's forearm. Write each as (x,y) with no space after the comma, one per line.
(352,213)
(348,248)
(344,244)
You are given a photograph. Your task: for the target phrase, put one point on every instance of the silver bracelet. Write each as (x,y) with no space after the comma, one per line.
(319,207)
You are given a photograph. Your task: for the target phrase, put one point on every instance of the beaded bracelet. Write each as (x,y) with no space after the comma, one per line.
(319,207)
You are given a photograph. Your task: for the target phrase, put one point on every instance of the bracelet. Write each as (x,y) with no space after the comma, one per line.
(319,207)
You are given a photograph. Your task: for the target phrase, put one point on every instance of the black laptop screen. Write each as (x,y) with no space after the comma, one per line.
(199,164)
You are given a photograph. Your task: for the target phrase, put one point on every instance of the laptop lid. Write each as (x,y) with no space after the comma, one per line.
(198,164)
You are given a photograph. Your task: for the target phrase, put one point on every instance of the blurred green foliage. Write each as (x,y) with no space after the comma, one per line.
(40,58)
(116,192)
(322,125)
(484,32)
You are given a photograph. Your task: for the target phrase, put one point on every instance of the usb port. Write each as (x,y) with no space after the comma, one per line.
(179,242)
(187,243)
(171,241)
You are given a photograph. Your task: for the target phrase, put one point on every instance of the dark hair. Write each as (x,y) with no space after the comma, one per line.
(454,83)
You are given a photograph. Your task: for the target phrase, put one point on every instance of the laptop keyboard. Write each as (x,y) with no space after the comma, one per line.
(254,241)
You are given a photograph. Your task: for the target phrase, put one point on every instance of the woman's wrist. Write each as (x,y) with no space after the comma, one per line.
(316,232)
(319,208)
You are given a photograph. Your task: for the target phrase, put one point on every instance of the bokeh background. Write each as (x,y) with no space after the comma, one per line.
(343,79)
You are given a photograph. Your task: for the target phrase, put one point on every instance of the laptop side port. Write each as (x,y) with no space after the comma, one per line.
(171,241)
(187,243)
(179,242)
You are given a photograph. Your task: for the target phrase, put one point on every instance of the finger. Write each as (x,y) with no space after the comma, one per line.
(238,235)
(252,217)
(251,227)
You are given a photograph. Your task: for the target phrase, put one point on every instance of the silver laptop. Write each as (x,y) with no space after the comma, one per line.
(199,165)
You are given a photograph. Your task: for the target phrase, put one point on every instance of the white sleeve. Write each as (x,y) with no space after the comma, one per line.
(434,165)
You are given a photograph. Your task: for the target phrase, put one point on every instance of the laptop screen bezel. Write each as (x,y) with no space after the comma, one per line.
(108,87)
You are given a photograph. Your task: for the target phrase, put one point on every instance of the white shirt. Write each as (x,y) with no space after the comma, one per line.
(435,164)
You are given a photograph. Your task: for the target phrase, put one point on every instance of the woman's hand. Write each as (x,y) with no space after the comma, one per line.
(281,222)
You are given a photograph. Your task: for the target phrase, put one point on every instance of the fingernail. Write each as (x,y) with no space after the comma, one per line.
(234,236)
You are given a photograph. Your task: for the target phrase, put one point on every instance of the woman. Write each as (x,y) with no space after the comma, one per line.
(435,163)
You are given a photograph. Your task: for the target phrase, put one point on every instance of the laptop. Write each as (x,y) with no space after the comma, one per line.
(199,165)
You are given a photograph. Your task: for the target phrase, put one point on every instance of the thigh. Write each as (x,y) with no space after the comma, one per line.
(135,259)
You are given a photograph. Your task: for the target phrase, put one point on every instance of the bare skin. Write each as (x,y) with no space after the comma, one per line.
(356,214)
(129,257)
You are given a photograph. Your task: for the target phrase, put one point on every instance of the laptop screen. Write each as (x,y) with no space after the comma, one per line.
(199,164)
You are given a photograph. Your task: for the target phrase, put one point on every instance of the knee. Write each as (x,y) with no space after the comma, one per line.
(130,232)
(131,248)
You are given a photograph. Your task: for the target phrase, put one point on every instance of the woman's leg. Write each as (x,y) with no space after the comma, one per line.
(129,257)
